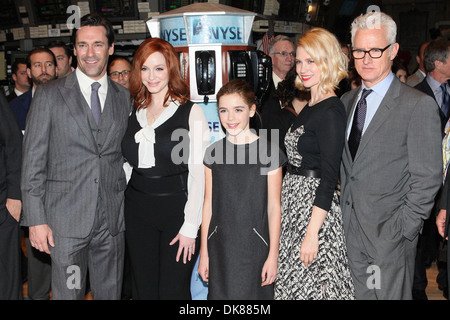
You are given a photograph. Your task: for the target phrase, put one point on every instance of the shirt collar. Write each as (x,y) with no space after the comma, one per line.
(381,87)
(86,81)
(433,83)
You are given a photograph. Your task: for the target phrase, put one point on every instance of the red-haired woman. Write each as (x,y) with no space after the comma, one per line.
(164,143)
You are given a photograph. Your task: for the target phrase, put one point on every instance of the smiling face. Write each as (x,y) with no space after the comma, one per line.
(307,69)
(235,115)
(371,70)
(155,74)
(92,51)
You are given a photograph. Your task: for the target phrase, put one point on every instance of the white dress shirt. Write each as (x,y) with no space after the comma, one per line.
(199,139)
(85,83)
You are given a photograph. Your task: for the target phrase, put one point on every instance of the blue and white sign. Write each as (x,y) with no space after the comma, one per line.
(173,30)
(215,29)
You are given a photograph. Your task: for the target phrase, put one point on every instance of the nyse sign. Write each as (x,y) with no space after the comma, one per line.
(203,29)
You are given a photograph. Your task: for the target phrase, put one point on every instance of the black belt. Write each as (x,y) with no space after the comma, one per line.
(142,174)
(303,172)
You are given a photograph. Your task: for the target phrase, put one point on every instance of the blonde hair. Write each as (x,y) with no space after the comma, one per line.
(325,50)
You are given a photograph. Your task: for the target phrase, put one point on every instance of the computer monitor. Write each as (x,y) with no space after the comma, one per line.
(51,11)
(116,10)
(9,14)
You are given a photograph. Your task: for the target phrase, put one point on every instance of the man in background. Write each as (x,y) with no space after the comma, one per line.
(10,203)
(20,77)
(63,58)
(41,68)
(417,77)
(119,71)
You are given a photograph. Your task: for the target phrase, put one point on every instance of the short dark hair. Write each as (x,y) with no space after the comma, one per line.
(95,20)
(437,50)
(39,50)
(16,63)
(60,44)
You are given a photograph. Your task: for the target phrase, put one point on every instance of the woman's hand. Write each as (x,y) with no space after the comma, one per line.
(269,271)
(203,266)
(309,248)
(186,246)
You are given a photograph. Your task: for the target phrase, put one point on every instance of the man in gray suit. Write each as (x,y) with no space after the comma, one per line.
(391,165)
(73,179)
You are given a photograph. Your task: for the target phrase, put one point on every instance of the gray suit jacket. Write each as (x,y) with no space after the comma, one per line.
(391,185)
(72,168)
(414,79)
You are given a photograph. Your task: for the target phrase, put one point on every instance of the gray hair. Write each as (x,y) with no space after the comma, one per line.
(437,50)
(278,38)
(375,20)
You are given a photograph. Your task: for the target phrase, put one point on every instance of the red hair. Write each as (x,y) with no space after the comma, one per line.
(177,87)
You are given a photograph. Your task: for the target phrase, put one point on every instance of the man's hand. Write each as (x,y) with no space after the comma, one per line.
(440,222)
(14,208)
(40,237)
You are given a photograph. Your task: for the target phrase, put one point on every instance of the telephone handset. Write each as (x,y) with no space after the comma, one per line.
(262,64)
(240,66)
(205,64)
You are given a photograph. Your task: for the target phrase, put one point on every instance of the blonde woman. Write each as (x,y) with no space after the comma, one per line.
(313,259)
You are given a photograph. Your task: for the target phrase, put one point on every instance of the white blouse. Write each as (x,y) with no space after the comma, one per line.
(199,139)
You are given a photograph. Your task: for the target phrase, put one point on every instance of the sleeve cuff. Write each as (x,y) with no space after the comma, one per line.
(189,230)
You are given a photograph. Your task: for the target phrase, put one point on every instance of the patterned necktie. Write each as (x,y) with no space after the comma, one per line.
(445,106)
(95,102)
(358,123)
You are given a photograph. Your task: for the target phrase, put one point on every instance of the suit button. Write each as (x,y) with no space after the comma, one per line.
(347,203)
(96,180)
(99,155)
(352,178)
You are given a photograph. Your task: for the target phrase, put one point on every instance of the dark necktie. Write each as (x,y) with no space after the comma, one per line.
(445,106)
(95,102)
(358,123)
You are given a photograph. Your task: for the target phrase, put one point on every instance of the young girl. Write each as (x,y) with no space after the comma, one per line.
(240,229)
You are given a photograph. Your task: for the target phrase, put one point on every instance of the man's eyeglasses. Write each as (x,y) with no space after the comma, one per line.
(285,54)
(124,73)
(374,53)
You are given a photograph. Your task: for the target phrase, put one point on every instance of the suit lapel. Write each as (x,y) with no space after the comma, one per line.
(350,107)
(380,116)
(110,112)
(77,105)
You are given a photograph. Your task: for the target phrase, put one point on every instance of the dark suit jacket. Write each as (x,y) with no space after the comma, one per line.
(20,106)
(425,88)
(10,154)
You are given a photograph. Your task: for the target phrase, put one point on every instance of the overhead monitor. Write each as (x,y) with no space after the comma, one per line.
(9,14)
(117,10)
(51,11)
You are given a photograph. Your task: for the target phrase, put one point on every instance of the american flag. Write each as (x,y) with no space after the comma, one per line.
(268,37)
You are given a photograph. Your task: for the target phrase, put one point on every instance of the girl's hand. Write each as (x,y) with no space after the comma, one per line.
(186,246)
(203,267)
(269,272)
(309,249)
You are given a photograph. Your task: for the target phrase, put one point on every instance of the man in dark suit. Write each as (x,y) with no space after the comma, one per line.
(20,78)
(41,68)
(10,203)
(391,165)
(73,180)
(282,53)
(436,57)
